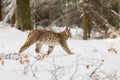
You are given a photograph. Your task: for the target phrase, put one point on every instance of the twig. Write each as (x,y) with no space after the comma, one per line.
(76,69)
(26,70)
(33,72)
(58,71)
(105,22)
(96,69)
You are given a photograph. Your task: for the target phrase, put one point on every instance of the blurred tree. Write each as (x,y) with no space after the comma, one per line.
(24,21)
(103,13)
(85,22)
(109,9)
(0,10)
(13,19)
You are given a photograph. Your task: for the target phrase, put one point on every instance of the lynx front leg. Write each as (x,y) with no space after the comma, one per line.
(43,56)
(65,47)
(38,47)
(50,49)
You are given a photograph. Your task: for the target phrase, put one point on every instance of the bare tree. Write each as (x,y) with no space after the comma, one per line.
(85,22)
(0,11)
(23,15)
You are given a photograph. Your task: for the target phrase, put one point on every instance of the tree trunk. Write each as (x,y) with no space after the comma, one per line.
(89,23)
(85,22)
(0,11)
(23,15)
(13,19)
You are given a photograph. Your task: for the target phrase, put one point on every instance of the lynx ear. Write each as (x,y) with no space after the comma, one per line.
(67,28)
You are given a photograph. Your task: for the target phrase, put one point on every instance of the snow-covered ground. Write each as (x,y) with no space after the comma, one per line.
(93,59)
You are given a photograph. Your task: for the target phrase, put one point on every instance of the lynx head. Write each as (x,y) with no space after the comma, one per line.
(66,33)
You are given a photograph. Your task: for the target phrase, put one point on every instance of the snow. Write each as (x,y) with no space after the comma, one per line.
(101,56)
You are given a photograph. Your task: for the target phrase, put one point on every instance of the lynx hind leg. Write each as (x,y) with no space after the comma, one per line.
(38,47)
(50,49)
(65,47)
(30,40)
(27,44)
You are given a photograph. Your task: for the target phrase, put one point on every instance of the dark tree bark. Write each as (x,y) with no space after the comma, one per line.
(23,15)
(0,11)
(85,22)
(13,19)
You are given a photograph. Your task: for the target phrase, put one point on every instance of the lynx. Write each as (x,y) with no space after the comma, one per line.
(49,38)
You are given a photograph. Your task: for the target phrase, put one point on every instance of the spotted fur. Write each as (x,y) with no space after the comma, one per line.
(49,38)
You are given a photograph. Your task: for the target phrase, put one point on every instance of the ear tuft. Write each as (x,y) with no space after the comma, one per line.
(67,28)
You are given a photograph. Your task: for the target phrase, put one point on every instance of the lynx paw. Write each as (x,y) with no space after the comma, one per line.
(41,57)
(71,53)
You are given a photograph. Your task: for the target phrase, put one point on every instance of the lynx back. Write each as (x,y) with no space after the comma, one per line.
(49,38)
